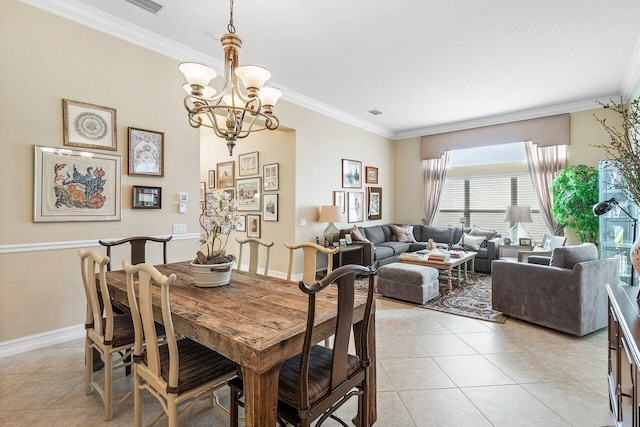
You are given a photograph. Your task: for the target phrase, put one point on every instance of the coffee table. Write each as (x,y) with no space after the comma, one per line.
(462,262)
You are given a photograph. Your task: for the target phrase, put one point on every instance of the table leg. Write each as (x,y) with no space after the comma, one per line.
(466,270)
(449,285)
(261,396)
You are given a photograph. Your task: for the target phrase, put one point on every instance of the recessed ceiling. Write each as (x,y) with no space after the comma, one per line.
(426,64)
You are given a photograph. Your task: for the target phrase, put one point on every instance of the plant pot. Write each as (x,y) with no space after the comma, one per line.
(211,275)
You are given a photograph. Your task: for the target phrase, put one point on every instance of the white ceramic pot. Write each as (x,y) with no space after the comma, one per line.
(634,254)
(211,275)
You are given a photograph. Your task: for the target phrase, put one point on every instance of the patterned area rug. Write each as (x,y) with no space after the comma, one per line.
(471,299)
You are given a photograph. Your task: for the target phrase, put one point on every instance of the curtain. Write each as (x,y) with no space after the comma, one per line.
(543,163)
(435,175)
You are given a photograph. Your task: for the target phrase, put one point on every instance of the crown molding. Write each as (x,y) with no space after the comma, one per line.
(98,20)
(515,116)
(631,85)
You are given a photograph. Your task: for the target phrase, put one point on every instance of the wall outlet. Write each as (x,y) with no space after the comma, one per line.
(179,228)
(303,221)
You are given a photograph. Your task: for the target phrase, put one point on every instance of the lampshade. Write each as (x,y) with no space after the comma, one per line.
(197,74)
(269,95)
(253,76)
(330,214)
(602,207)
(518,214)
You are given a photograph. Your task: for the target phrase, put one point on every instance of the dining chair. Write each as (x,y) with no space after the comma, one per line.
(310,249)
(309,269)
(108,335)
(254,250)
(319,380)
(138,245)
(175,372)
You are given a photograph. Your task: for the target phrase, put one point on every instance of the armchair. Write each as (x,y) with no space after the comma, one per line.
(569,295)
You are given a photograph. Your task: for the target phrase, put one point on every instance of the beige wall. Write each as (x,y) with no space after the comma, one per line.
(40,289)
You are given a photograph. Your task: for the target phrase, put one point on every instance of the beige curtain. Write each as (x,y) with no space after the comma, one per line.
(543,163)
(435,175)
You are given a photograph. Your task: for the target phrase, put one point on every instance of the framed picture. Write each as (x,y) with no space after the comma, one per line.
(230,192)
(339,200)
(202,191)
(248,164)
(242,223)
(356,207)
(88,125)
(271,177)
(248,195)
(347,238)
(212,180)
(371,175)
(375,202)
(73,185)
(524,241)
(208,198)
(147,197)
(351,174)
(146,152)
(226,174)
(253,226)
(270,207)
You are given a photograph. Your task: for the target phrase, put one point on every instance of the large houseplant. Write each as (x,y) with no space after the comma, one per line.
(575,191)
(212,265)
(624,152)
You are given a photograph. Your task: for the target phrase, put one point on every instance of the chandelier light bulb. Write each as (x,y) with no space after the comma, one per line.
(253,76)
(197,74)
(269,95)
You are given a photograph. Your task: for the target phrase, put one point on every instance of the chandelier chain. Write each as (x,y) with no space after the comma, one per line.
(230,27)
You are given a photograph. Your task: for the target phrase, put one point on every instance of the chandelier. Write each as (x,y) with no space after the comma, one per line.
(237,110)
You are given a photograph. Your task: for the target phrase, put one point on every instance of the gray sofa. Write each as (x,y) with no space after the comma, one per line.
(382,247)
(569,295)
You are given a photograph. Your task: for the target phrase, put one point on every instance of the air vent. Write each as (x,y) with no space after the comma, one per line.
(375,112)
(148,5)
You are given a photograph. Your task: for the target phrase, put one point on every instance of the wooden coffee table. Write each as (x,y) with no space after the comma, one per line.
(461,263)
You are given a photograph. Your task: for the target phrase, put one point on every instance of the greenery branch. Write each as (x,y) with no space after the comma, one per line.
(623,149)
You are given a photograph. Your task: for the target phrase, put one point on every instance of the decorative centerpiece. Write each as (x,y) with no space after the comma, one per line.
(624,152)
(212,265)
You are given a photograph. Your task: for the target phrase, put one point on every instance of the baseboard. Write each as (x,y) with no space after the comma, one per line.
(32,342)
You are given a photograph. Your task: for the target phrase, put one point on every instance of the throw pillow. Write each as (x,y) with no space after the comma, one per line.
(477,231)
(471,242)
(569,256)
(404,234)
(356,235)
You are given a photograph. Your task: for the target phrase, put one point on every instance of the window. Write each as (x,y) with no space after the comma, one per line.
(481,194)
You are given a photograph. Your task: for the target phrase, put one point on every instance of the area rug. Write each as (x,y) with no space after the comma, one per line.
(470,299)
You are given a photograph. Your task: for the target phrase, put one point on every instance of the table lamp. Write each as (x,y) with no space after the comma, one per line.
(330,214)
(518,215)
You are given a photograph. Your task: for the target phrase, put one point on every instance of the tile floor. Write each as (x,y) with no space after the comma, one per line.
(434,369)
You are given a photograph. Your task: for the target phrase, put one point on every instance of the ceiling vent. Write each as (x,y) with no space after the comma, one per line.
(375,112)
(148,5)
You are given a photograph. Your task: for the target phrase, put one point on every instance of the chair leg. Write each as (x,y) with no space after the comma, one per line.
(137,400)
(88,366)
(108,387)
(172,410)
(127,369)
(233,407)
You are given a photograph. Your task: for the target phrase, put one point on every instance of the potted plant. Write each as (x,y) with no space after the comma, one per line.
(575,191)
(212,265)
(624,152)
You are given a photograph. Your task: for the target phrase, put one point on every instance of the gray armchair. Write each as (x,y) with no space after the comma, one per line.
(569,295)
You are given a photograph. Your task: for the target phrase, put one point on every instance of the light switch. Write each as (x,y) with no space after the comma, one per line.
(182,208)
(303,221)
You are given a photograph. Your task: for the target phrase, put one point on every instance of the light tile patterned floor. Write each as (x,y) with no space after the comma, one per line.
(434,369)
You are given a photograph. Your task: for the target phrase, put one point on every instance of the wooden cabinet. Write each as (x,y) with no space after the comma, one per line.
(624,357)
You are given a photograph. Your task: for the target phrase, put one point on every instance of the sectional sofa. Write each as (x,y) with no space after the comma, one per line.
(381,243)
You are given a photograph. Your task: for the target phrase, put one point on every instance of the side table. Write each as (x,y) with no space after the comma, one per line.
(510,252)
(352,254)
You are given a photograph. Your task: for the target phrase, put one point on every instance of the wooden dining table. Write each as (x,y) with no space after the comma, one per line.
(256,321)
